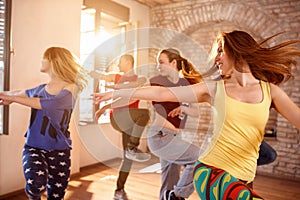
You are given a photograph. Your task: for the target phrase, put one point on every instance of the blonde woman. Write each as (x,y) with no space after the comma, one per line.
(250,74)
(46,154)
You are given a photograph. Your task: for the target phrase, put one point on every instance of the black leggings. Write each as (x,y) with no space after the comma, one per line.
(131,123)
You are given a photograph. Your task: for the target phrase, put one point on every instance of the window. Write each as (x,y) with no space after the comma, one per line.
(5,20)
(102,41)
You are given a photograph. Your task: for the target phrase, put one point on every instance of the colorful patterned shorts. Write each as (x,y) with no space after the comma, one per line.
(216,184)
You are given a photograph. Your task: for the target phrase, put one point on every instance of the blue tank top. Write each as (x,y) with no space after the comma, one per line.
(48,128)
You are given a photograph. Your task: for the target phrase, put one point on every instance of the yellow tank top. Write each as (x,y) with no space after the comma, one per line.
(238,133)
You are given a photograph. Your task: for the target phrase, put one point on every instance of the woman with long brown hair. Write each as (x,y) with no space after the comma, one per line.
(250,74)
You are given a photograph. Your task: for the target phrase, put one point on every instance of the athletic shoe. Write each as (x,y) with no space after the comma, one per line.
(170,195)
(137,155)
(120,195)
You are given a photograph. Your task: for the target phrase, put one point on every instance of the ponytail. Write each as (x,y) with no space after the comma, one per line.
(189,72)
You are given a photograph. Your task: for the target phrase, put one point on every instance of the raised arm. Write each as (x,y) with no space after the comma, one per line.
(194,93)
(114,104)
(19,96)
(20,93)
(109,77)
(101,111)
(132,84)
(285,106)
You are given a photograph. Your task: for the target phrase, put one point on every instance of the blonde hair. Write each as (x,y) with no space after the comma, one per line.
(66,66)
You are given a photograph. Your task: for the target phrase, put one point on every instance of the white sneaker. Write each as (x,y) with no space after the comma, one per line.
(120,195)
(170,195)
(137,155)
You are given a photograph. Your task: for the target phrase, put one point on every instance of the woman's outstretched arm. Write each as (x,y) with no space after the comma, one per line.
(8,97)
(19,97)
(285,106)
(192,94)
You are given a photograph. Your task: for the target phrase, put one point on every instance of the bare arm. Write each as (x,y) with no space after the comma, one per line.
(114,104)
(109,77)
(19,96)
(20,93)
(194,93)
(132,84)
(285,106)
(101,110)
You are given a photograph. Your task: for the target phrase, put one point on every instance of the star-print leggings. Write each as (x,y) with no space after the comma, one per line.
(212,183)
(46,170)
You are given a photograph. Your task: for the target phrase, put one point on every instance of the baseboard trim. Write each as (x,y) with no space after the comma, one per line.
(11,194)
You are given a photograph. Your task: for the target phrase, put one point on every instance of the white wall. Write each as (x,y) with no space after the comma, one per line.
(141,14)
(99,143)
(102,142)
(37,25)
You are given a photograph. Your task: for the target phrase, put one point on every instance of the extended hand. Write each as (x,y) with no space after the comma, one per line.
(5,99)
(101,97)
(175,112)
(99,112)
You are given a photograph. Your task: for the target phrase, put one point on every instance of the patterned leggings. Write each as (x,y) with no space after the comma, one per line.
(46,170)
(212,183)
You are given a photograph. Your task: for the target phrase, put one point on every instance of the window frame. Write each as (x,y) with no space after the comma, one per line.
(6,61)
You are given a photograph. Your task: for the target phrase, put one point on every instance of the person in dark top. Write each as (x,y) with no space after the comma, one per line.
(46,154)
(250,74)
(164,135)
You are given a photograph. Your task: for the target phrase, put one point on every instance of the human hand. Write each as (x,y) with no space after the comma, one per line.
(101,97)
(5,99)
(175,112)
(99,112)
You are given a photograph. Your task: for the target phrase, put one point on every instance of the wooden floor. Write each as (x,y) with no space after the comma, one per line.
(97,182)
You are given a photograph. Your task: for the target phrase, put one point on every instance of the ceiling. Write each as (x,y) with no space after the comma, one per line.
(153,3)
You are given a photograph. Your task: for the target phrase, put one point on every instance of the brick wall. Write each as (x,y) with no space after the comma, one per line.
(191,26)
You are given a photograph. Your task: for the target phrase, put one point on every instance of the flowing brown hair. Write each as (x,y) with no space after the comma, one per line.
(272,64)
(188,70)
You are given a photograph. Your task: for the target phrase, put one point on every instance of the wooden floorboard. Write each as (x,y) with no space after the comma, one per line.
(97,182)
